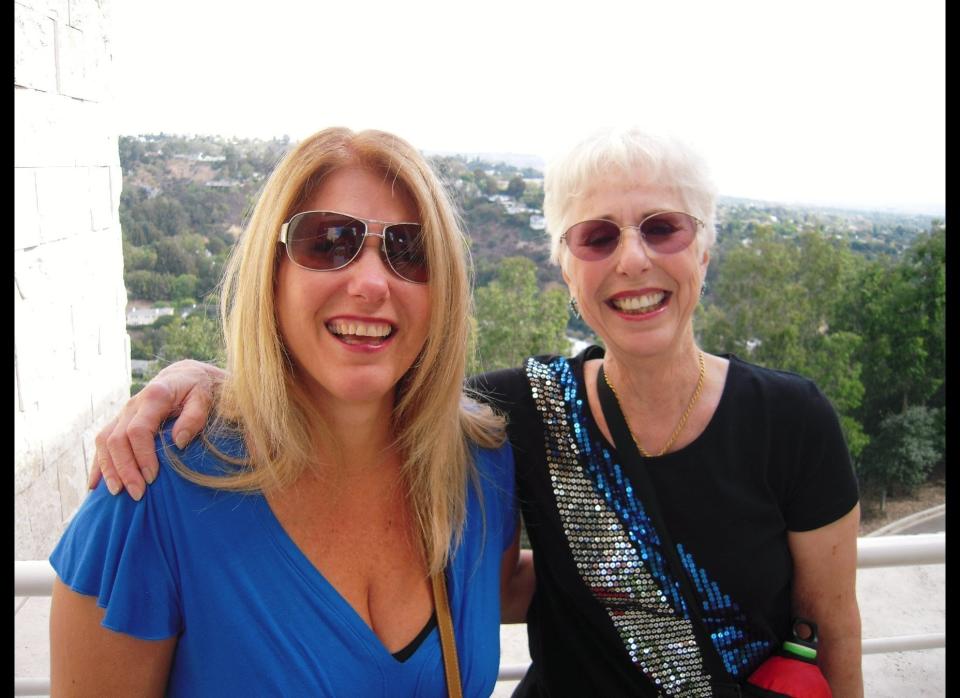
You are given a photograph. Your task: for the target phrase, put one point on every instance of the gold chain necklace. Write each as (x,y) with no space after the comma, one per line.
(683,417)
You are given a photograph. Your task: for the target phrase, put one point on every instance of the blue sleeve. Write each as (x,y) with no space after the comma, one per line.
(499,471)
(121,552)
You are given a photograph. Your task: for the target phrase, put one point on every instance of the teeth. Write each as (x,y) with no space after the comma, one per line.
(645,302)
(361,329)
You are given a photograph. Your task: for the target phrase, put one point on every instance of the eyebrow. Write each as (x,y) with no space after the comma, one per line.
(643,216)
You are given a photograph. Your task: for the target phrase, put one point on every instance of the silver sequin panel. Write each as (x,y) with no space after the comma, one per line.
(660,642)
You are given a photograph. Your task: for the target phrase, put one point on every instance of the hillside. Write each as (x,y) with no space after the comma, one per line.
(177,186)
(854,300)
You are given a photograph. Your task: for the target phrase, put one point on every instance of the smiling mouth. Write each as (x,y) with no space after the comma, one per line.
(371,333)
(638,305)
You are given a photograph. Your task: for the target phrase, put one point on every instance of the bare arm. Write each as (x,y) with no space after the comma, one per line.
(125,446)
(87,659)
(517,582)
(824,590)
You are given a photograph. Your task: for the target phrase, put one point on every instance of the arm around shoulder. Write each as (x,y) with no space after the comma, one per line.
(125,454)
(517,582)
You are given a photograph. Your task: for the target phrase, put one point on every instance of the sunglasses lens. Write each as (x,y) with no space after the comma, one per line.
(666,233)
(326,241)
(323,241)
(405,251)
(663,233)
(593,240)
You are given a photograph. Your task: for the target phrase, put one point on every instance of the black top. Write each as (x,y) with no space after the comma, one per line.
(606,617)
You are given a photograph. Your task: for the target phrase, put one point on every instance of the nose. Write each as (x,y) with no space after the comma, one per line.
(369,273)
(632,253)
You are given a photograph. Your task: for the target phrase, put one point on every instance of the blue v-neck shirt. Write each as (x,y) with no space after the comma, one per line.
(252,615)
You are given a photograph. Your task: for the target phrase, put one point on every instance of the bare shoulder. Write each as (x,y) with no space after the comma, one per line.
(89,659)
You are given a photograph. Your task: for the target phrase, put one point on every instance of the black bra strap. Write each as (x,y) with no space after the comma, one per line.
(405,653)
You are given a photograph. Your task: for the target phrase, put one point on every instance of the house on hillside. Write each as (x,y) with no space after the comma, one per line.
(140,317)
(141,367)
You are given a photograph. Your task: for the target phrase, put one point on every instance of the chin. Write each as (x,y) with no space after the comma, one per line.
(370,388)
(643,344)
(354,385)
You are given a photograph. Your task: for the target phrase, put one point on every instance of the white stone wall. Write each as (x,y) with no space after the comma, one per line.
(71,349)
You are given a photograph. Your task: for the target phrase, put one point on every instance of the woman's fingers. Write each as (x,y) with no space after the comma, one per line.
(104,461)
(100,442)
(134,451)
(126,447)
(193,415)
(122,460)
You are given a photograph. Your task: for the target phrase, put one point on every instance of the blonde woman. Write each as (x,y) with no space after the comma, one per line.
(289,550)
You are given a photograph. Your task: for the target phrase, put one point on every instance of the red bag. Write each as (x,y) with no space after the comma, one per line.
(793,671)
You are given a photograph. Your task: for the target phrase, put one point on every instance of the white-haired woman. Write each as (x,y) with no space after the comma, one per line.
(298,546)
(746,466)
(743,469)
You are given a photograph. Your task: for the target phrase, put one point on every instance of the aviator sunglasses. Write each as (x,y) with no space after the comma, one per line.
(328,240)
(663,233)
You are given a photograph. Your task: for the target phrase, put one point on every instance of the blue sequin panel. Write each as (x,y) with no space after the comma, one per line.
(725,622)
(723,618)
(659,641)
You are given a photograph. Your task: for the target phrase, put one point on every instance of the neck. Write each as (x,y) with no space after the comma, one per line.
(364,433)
(652,380)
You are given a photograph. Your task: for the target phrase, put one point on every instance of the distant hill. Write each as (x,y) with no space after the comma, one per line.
(188,196)
(515,159)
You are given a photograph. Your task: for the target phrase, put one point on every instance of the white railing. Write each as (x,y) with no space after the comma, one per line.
(35,578)
(901,551)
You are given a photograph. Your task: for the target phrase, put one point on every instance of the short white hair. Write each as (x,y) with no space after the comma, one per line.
(635,155)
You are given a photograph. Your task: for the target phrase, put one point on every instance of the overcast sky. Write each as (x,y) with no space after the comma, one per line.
(830,102)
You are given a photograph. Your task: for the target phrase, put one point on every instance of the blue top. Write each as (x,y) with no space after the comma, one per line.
(252,615)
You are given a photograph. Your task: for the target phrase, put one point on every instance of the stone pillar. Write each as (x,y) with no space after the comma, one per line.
(71,349)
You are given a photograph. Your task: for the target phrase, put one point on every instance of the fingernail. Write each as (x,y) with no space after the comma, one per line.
(113,485)
(150,476)
(136,491)
(181,440)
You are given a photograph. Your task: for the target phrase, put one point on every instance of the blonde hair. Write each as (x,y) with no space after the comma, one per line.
(633,155)
(434,422)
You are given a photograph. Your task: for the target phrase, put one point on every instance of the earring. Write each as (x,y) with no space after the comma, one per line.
(703,289)
(574,308)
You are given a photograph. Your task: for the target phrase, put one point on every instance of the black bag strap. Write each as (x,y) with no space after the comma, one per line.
(628,451)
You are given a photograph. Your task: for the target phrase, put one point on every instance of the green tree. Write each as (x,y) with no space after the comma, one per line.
(196,337)
(174,258)
(776,302)
(486,183)
(147,285)
(533,198)
(132,151)
(216,245)
(832,365)
(138,257)
(516,187)
(898,307)
(167,214)
(144,343)
(183,288)
(904,451)
(515,319)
